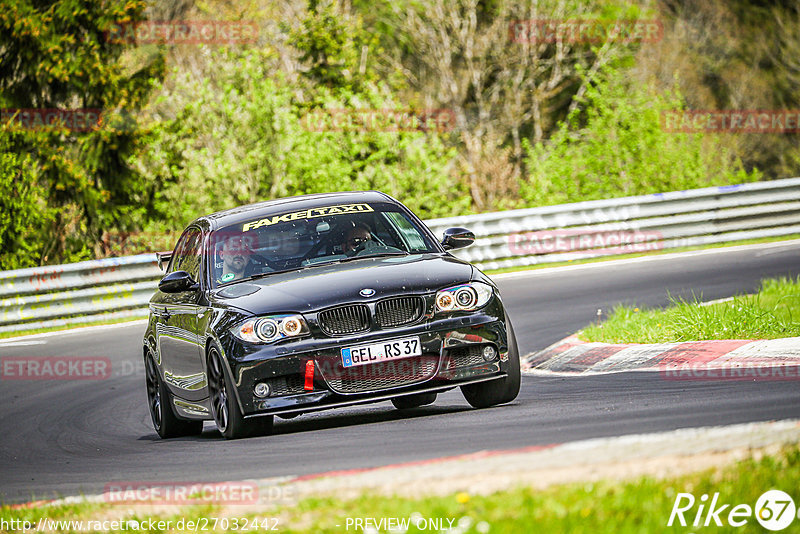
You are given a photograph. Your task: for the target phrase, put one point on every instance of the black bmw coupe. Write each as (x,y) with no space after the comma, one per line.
(315,302)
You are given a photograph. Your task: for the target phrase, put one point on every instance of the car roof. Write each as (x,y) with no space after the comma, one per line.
(248,212)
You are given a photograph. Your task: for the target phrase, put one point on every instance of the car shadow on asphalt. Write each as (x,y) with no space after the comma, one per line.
(380,415)
(321,421)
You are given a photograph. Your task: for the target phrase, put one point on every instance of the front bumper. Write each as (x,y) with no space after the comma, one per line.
(452,355)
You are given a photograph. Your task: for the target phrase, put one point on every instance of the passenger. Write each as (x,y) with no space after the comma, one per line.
(357,236)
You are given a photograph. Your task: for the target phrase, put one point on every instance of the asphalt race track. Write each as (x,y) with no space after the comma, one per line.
(60,437)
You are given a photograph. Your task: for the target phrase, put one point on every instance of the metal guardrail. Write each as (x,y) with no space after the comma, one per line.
(111,288)
(630,224)
(88,291)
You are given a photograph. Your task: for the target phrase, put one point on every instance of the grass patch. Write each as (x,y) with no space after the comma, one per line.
(642,254)
(773,312)
(638,505)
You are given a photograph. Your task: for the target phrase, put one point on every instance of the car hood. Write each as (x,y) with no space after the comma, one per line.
(321,286)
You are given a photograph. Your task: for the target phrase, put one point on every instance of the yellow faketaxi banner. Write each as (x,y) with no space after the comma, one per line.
(307,214)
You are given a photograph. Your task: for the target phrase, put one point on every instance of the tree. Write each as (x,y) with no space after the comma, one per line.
(54,55)
(474,57)
(613,145)
(247,134)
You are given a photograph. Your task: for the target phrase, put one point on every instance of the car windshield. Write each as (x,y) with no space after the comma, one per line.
(315,236)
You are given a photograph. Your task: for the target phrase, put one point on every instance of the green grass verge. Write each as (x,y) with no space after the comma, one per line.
(771,313)
(642,254)
(638,505)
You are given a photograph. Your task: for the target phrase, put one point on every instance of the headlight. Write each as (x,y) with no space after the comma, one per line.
(466,297)
(271,328)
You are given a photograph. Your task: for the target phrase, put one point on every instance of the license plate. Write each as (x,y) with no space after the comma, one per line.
(380,352)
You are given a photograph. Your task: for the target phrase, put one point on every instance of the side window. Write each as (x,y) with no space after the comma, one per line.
(413,239)
(188,253)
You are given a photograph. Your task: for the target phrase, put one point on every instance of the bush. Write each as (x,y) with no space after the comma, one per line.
(244,137)
(613,146)
(23,211)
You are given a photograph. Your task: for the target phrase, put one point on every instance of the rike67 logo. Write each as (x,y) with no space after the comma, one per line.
(774,510)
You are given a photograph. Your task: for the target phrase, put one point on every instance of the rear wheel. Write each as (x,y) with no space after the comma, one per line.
(224,408)
(406,402)
(485,394)
(159,401)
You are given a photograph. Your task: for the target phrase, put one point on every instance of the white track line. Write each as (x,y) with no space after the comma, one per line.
(78,330)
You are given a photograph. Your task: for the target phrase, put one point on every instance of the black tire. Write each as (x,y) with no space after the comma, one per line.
(159,403)
(224,408)
(485,394)
(406,402)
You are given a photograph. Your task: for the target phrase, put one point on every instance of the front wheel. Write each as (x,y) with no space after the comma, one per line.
(224,408)
(485,394)
(159,401)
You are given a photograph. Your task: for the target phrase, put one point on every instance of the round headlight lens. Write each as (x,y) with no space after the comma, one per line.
(466,297)
(292,326)
(267,329)
(445,301)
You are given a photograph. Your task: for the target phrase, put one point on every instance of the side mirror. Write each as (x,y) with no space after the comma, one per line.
(457,238)
(177,282)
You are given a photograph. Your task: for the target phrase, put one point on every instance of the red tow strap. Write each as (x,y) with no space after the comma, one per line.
(309,383)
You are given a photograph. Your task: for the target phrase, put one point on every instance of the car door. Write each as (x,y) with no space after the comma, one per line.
(178,340)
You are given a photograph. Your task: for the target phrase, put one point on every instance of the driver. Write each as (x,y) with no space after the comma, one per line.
(356,237)
(235,256)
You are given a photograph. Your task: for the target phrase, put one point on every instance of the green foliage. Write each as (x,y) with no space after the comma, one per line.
(231,127)
(244,137)
(613,146)
(23,211)
(56,56)
(335,47)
